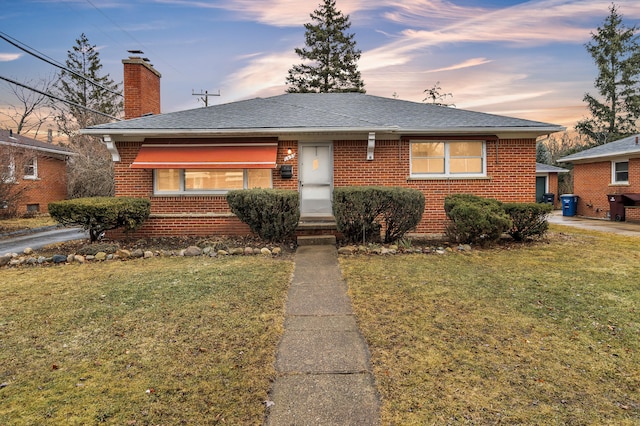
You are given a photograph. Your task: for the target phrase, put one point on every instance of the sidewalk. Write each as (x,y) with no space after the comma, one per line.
(323,371)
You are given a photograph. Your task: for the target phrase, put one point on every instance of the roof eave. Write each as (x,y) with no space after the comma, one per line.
(530,131)
(598,157)
(38,148)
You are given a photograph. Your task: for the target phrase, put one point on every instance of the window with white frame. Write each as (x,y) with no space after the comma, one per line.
(31,168)
(448,158)
(209,181)
(8,170)
(620,172)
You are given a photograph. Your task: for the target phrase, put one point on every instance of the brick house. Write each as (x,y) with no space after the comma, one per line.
(605,172)
(36,170)
(186,161)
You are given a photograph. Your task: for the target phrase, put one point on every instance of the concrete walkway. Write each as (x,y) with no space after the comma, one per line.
(622,228)
(323,371)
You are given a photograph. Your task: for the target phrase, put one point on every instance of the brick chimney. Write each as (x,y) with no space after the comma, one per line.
(141,87)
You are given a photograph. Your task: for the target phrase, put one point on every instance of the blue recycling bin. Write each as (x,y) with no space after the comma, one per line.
(569,204)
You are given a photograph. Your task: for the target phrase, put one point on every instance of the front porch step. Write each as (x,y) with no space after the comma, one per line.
(316,240)
(316,223)
(316,230)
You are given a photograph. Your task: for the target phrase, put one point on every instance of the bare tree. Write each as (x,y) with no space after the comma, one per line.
(31,110)
(12,162)
(436,97)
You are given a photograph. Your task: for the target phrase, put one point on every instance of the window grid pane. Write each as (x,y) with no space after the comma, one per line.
(258,178)
(210,179)
(463,157)
(168,180)
(622,171)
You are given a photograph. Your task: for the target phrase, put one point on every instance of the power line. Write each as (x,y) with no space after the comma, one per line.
(49,95)
(50,61)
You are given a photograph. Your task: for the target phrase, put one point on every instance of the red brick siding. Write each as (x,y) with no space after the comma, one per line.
(51,184)
(141,89)
(510,174)
(592,184)
(510,177)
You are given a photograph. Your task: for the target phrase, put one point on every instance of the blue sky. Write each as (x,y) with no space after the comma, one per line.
(519,58)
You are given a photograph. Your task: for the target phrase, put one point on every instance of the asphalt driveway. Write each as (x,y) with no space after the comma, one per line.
(16,243)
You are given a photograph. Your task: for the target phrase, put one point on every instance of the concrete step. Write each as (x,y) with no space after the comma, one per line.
(316,240)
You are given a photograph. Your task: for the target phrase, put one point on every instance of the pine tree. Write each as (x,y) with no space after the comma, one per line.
(614,48)
(91,170)
(104,97)
(330,56)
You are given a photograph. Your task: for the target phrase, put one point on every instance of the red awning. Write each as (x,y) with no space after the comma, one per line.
(207,156)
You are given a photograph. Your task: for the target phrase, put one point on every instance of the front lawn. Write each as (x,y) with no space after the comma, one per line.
(547,333)
(151,341)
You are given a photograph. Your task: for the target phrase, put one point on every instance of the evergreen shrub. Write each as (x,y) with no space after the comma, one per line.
(475,220)
(529,220)
(362,212)
(273,214)
(99,214)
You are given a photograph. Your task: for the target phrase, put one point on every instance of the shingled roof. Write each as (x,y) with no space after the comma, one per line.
(629,146)
(20,141)
(318,112)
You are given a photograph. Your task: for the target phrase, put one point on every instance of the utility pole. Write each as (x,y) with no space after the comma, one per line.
(205,96)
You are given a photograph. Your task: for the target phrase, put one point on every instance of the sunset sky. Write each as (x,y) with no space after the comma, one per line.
(518,58)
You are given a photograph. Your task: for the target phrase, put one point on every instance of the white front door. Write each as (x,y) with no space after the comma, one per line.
(316,179)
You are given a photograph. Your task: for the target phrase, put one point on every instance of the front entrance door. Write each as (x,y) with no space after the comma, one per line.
(316,179)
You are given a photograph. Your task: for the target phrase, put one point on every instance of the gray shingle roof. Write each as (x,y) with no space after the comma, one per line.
(322,111)
(624,147)
(546,168)
(25,142)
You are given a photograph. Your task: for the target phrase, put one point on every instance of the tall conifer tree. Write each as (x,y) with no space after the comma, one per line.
(91,170)
(615,113)
(330,56)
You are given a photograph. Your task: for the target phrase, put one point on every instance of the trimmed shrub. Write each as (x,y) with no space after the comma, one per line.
(475,220)
(361,212)
(99,214)
(529,220)
(273,214)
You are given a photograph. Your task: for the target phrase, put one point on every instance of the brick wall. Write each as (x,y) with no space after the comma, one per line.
(510,177)
(141,88)
(592,184)
(50,186)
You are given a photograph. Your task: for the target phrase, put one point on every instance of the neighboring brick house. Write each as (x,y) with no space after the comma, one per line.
(186,161)
(608,172)
(36,170)
(547,183)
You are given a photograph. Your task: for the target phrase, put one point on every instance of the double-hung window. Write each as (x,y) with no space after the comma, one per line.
(448,158)
(209,181)
(620,172)
(8,170)
(31,168)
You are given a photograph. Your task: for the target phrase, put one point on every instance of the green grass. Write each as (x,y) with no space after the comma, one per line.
(155,341)
(532,334)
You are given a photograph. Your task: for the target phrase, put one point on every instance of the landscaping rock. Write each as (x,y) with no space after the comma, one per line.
(276,251)
(223,253)
(101,256)
(213,253)
(41,260)
(79,258)
(248,251)
(347,250)
(256,250)
(58,258)
(207,250)
(70,258)
(193,251)
(137,253)
(265,251)
(31,261)
(147,254)
(123,253)
(4,260)
(236,251)
(28,250)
